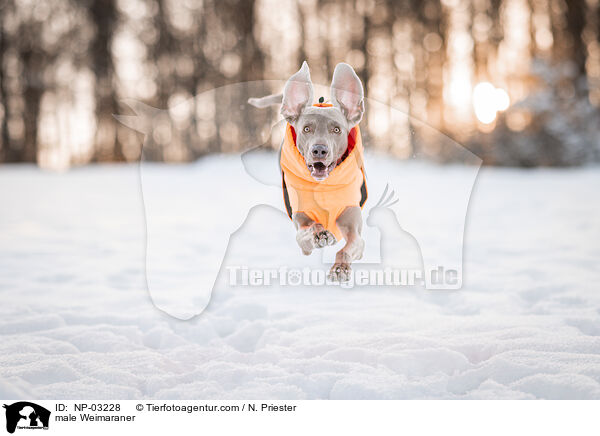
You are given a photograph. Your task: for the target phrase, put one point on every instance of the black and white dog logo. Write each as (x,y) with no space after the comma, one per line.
(26,415)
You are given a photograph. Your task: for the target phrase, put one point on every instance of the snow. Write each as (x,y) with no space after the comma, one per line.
(77,320)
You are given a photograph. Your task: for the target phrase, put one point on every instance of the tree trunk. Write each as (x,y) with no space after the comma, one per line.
(33,88)
(106,147)
(5,150)
(576,10)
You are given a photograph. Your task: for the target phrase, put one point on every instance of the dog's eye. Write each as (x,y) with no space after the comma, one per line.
(306,129)
(337,130)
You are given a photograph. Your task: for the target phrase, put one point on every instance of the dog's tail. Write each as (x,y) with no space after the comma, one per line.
(269,100)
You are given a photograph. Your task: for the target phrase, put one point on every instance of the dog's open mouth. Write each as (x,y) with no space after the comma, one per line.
(320,171)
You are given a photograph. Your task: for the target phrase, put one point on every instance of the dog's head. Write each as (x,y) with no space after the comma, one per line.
(322,132)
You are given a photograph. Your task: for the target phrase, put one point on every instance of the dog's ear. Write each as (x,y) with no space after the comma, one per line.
(347,93)
(297,94)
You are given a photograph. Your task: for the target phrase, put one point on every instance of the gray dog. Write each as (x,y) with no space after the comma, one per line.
(321,134)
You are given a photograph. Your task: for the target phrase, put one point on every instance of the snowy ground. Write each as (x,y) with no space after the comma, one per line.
(77,320)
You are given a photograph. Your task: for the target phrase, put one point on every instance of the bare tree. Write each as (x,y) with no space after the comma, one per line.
(104,16)
(5,148)
(34,60)
(575,14)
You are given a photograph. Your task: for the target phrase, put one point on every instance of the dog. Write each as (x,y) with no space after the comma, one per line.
(321,163)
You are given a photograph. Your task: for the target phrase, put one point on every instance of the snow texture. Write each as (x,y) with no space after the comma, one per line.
(77,320)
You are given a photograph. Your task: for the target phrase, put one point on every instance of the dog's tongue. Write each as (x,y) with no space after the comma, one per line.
(319,171)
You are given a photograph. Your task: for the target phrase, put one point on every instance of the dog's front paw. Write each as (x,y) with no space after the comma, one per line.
(324,238)
(339,272)
(307,237)
(314,236)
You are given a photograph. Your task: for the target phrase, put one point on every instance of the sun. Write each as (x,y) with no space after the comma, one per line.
(488,101)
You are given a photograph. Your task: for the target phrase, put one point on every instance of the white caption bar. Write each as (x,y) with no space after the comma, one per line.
(149,417)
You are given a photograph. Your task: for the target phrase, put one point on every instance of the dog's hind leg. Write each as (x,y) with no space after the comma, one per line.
(350,223)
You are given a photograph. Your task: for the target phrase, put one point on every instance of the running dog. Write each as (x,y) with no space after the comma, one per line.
(321,162)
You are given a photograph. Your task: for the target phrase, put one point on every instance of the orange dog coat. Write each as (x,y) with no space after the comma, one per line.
(323,201)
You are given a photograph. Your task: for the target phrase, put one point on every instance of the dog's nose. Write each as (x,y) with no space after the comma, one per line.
(319,151)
